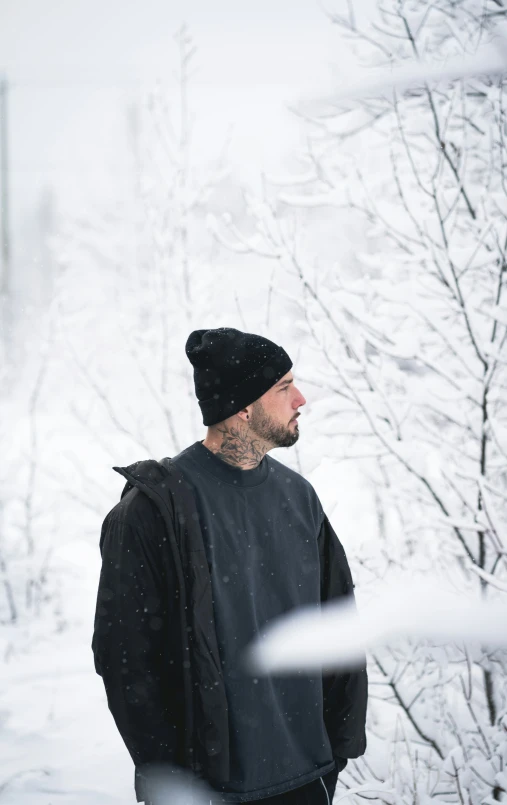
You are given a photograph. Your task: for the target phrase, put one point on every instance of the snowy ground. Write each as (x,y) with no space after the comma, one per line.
(58,740)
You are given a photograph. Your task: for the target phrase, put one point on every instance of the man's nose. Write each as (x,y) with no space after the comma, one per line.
(300,400)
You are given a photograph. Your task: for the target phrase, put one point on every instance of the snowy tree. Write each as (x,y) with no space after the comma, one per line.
(136,278)
(133,278)
(28,519)
(391,244)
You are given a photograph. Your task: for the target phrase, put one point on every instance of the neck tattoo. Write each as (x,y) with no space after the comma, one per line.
(238,448)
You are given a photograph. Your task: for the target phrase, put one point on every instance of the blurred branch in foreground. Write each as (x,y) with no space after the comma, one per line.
(338,635)
(490,59)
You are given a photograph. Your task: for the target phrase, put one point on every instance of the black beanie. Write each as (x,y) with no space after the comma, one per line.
(232,369)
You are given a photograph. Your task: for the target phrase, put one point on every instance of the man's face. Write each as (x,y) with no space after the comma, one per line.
(274,415)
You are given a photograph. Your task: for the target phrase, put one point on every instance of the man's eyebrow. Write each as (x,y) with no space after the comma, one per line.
(284,383)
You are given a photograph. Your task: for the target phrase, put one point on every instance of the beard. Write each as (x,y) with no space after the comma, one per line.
(265,427)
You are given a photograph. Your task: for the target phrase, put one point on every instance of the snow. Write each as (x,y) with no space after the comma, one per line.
(391,438)
(409,608)
(58,742)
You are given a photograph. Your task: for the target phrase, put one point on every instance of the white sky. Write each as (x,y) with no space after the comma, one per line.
(73,66)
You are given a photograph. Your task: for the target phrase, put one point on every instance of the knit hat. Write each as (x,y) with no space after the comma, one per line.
(232,369)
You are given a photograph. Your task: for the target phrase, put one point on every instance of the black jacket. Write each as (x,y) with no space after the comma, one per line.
(154,639)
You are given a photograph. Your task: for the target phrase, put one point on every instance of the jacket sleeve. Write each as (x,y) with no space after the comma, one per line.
(345,693)
(135,646)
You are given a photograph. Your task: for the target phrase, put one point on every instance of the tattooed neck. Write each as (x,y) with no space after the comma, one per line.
(236,446)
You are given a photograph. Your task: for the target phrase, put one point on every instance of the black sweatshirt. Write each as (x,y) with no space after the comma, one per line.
(261,529)
(270,548)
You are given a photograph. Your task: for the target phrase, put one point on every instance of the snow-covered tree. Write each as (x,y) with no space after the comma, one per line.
(137,277)
(391,247)
(133,277)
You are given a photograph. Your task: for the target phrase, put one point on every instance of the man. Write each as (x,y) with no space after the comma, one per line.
(200,553)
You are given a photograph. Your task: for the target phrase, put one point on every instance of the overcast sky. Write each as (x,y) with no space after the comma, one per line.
(73,66)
